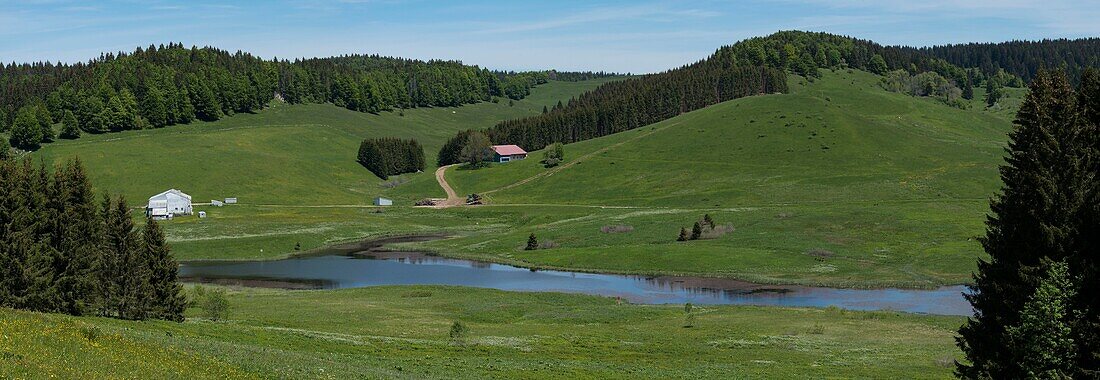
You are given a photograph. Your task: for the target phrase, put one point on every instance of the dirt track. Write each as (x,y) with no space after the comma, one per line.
(452,198)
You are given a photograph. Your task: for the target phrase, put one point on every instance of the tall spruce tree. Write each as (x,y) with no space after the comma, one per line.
(1087,267)
(129,268)
(80,244)
(167,293)
(1035,220)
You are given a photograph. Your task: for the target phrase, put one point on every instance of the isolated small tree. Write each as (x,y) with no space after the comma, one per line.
(553,155)
(696,231)
(214,303)
(993,92)
(532,243)
(458,333)
(683,234)
(298,246)
(70,129)
(708,221)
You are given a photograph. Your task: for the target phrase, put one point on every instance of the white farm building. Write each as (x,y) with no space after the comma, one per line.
(169,204)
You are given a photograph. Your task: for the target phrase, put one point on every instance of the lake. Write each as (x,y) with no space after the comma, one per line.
(366,264)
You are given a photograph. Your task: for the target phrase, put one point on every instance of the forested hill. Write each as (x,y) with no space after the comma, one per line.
(1023,58)
(166,85)
(750,67)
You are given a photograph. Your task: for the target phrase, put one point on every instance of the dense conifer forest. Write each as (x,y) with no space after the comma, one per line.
(1023,58)
(166,85)
(750,67)
(391,156)
(63,251)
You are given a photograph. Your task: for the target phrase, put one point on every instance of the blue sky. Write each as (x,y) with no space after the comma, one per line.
(623,36)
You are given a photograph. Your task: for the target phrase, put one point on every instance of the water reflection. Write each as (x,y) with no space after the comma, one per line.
(344,268)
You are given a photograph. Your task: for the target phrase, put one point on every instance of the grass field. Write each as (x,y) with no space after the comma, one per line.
(286,154)
(402,332)
(894,189)
(885,189)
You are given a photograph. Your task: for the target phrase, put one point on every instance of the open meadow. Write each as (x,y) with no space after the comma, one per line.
(403,332)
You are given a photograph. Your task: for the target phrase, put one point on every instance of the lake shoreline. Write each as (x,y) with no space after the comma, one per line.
(376,246)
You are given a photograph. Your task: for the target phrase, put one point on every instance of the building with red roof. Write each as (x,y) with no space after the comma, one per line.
(506,153)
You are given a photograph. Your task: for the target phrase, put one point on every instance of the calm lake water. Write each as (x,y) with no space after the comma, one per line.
(363,265)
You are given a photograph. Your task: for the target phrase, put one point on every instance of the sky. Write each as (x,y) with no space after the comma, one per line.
(618,36)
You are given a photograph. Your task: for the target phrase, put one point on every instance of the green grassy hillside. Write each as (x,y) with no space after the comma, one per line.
(402,332)
(287,154)
(893,188)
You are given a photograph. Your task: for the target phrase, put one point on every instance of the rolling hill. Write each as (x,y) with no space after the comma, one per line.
(839,182)
(301,154)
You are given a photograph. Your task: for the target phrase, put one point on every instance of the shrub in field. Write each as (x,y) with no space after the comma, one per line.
(213,302)
(458,333)
(715,232)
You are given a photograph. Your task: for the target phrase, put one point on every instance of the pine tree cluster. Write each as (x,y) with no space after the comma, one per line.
(61,252)
(388,156)
(167,85)
(1037,296)
(749,67)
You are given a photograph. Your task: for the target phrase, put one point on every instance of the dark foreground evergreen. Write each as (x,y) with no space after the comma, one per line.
(391,156)
(1037,297)
(62,251)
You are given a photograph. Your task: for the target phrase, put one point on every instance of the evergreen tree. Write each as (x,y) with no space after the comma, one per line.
(80,232)
(968,88)
(532,243)
(45,123)
(1035,219)
(4,122)
(683,234)
(696,231)
(708,221)
(1043,340)
(26,132)
(126,271)
(167,293)
(1087,302)
(69,126)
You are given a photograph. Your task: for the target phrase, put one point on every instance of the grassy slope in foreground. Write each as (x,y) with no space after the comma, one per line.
(287,154)
(394,332)
(896,187)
